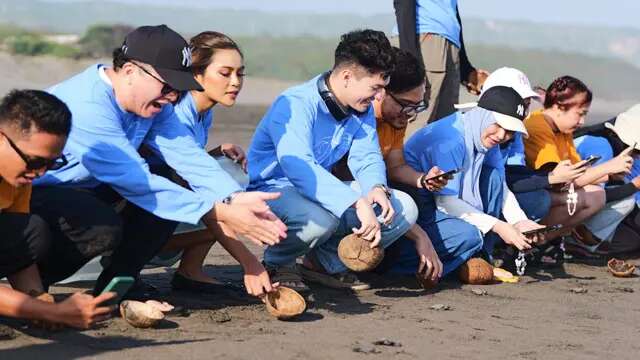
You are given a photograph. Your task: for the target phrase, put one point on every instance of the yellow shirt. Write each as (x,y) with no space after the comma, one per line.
(544,146)
(14,199)
(389,137)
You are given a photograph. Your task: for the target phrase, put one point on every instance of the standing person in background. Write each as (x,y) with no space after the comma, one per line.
(218,66)
(437,31)
(34,126)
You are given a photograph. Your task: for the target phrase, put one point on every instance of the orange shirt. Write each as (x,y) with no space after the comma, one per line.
(14,199)
(545,146)
(389,137)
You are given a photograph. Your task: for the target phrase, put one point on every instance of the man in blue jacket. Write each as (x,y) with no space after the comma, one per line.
(114,110)
(304,133)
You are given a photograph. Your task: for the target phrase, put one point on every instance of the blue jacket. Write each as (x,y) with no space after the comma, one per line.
(102,149)
(298,141)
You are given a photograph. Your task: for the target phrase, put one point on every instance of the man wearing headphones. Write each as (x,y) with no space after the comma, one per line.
(304,133)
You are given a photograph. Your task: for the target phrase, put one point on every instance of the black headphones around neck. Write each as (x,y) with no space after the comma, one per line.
(338,111)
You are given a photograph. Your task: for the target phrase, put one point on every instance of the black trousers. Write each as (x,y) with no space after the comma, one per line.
(24,241)
(85,224)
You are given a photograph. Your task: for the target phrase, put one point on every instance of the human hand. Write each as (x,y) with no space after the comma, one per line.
(369,226)
(430,267)
(620,164)
(475,81)
(528,225)
(257,281)
(565,172)
(250,216)
(82,310)
(235,153)
(378,196)
(512,236)
(426,181)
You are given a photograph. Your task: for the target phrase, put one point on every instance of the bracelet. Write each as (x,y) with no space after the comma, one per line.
(384,188)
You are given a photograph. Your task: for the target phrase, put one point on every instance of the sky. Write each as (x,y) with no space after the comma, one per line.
(618,13)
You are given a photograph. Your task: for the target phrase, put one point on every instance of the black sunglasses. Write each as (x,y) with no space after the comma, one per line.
(166,88)
(410,109)
(35,163)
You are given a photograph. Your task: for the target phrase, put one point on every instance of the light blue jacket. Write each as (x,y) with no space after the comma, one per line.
(102,149)
(298,141)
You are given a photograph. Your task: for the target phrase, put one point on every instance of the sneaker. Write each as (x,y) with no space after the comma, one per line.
(343,280)
(287,276)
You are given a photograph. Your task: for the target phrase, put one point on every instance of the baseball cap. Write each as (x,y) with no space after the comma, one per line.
(505,76)
(626,126)
(166,51)
(507,106)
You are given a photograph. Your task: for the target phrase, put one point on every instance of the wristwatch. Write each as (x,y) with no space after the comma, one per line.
(384,188)
(229,199)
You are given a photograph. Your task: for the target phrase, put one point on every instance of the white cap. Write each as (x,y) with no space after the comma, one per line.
(627,126)
(509,77)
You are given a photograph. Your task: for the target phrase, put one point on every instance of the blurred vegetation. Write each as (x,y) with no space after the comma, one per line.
(100,40)
(302,57)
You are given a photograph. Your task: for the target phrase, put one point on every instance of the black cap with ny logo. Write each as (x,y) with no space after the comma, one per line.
(166,51)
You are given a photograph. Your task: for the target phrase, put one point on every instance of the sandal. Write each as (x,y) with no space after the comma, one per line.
(287,276)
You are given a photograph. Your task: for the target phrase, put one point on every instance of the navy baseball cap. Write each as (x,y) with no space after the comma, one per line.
(166,51)
(507,106)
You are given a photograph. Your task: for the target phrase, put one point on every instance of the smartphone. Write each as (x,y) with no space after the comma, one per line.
(447,175)
(592,160)
(119,285)
(542,231)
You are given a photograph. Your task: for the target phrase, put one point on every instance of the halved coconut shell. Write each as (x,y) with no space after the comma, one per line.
(139,314)
(356,253)
(285,303)
(620,268)
(162,306)
(504,276)
(476,271)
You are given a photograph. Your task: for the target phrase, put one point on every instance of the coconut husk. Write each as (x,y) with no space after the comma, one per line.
(139,314)
(476,271)
(620,268)
(504,276)
(426,283)
(162,306)
(285,303)
(356,253)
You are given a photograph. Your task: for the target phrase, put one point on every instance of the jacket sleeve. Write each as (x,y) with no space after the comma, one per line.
(365,160)
(406,19)
(103,148)
(289,124)
(465,66)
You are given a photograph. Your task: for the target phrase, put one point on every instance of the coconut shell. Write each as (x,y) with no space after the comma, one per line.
(476,271)
(285,303)
(620,268)
(356,253)
(139,314)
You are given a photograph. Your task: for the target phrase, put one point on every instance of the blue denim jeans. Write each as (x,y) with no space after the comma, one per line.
(535,204)
(311,228)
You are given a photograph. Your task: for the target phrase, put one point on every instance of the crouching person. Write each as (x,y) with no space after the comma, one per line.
(305,132)
(33,129)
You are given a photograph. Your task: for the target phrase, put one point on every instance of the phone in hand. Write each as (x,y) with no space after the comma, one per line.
(446,175)
(592,160)
(542,231)
(119,285)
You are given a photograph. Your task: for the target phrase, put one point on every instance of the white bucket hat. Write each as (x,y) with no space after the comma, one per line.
(627,126)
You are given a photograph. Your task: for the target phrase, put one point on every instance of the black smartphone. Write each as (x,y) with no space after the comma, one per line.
(592,160)
(447,175)
(542,231)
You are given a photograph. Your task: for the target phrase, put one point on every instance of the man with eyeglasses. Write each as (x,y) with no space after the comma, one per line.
(34,126)
(106,198)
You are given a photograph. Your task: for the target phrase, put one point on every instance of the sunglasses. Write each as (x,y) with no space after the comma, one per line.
(35,163)
(166,88)
(411,110)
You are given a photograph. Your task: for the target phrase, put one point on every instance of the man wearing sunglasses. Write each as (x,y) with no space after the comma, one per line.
(106,198)
(34,126)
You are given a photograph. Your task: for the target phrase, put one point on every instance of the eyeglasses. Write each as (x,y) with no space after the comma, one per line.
(166,88)
(35,163)
(412,110)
